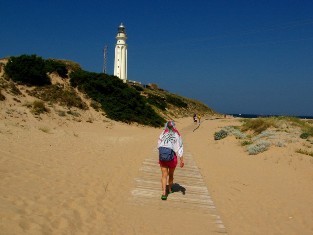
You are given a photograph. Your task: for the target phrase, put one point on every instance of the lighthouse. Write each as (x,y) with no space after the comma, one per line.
(120,61)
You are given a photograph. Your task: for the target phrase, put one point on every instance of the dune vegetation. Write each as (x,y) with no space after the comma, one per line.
(125,102)
(259,134)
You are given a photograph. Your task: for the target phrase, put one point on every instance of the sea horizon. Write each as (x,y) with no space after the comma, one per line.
(244,115)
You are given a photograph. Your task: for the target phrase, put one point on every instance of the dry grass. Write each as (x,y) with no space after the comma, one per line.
(305,152)
(39,107)
(2,97)
(258,125)
(44,129)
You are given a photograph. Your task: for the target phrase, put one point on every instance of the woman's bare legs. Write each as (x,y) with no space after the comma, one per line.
(167,172)
(171,178)
(164,179)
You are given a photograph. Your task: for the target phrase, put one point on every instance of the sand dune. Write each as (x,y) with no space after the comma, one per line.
(69,177)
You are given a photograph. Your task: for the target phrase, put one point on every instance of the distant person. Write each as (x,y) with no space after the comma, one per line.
(195,119)
(170,147)
(199,119)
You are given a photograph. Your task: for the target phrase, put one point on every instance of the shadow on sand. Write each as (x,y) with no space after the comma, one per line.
(177,188)
(196,127)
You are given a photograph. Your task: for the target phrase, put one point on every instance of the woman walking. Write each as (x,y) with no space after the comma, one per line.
(170,147)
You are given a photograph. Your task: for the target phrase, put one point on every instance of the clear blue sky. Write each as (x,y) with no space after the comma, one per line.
(235,56)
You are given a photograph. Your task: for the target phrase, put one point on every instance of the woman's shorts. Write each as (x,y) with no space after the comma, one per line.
(170,164)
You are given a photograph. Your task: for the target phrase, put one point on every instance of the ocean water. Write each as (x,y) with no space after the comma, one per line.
(262,115)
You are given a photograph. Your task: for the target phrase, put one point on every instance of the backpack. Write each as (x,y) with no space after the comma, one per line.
(166,154)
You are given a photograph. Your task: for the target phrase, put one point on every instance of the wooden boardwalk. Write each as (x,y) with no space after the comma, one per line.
(190,191)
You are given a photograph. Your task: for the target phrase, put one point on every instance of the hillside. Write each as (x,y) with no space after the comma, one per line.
(63,100)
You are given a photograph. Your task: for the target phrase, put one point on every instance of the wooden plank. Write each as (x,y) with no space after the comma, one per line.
(193,194)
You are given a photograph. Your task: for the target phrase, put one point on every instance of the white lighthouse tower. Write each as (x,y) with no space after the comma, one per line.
(120,61)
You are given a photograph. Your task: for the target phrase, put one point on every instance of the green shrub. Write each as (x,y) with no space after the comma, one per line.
(231,130)
(157,101)
(178,102)
(56,66)
(259,147)
(307,132)
(246,142)
(28,70)
(70,65)
(263,134)
(220,134)
(96,105)
(119,101)
(138,88)
(304,135)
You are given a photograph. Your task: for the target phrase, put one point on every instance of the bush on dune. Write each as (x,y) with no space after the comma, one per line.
(220,135)
(157,101)
(264,131)
(56,66)
(258,147)
(32,70)
(257,125)
(57,94)
(118,100)
(177,101)
(28,70)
